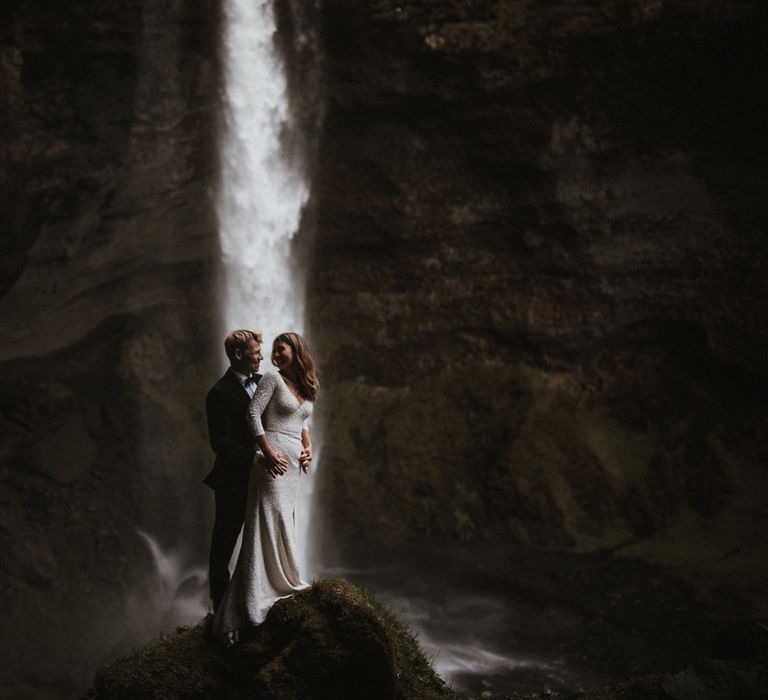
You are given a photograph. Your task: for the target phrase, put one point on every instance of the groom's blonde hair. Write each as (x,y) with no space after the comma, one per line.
(239,339)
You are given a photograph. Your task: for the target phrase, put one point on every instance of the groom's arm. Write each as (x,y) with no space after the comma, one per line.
(220,429)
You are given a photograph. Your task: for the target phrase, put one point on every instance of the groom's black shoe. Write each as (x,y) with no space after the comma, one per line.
(208,626)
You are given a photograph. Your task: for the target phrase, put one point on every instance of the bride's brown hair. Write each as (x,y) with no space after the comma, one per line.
(303,364)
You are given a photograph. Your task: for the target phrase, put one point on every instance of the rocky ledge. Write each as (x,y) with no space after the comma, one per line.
(331,641)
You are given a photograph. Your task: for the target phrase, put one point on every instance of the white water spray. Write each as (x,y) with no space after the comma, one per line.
(262,194)
(178,589)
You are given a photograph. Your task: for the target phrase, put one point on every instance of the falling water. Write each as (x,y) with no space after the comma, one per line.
(174,594)
(262,192)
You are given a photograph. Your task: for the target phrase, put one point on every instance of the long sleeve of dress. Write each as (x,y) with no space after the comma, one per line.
(264,391)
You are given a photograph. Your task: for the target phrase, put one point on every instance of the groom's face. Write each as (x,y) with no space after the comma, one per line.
(249,359)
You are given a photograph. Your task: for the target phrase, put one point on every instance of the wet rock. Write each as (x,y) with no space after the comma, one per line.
(706,680)
(712,680)
(744,640)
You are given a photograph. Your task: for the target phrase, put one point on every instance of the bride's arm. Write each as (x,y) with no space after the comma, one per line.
(276,463)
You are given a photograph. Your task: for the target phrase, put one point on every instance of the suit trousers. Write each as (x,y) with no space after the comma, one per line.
(230,513)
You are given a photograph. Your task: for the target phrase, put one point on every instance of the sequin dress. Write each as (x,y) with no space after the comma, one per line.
(267,568)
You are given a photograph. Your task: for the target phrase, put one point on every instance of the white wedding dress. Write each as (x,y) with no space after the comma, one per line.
(267,568)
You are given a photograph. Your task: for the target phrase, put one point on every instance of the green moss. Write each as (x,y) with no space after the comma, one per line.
(492,451)
(623,454)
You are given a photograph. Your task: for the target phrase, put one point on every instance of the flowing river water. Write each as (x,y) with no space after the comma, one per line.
(497,619)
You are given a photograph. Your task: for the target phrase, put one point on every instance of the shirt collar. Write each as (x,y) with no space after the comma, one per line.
(242,378)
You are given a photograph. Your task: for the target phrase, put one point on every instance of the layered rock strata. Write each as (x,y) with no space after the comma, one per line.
(107,319)
(540,274)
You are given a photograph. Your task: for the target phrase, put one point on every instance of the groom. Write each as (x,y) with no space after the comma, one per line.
(226,408)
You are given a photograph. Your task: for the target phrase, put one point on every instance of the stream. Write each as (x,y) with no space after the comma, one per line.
(496,619)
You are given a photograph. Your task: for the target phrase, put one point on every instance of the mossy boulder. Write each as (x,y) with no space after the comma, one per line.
(330,641)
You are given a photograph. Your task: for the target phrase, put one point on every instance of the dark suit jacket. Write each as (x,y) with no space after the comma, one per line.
(226,408)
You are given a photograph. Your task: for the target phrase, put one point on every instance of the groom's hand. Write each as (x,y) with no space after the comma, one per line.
(277,465)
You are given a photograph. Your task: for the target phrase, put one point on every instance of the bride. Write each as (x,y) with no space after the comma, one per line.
(267,568)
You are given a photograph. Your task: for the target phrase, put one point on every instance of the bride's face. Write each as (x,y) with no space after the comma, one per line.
(282,355)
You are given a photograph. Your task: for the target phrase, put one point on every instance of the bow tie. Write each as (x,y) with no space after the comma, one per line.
(250,380)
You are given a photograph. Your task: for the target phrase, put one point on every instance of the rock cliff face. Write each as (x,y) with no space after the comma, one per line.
(107,315)
(540,275)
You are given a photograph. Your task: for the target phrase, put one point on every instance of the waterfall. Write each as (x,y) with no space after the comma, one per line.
(262,192)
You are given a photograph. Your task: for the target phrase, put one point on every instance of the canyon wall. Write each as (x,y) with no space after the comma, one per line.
(109,335)
(539,276)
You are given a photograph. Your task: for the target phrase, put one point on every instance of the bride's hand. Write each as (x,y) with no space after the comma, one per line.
(305,459)
(277,465)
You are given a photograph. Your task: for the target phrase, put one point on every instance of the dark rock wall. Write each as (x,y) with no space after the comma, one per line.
(108,333)
(540,270)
